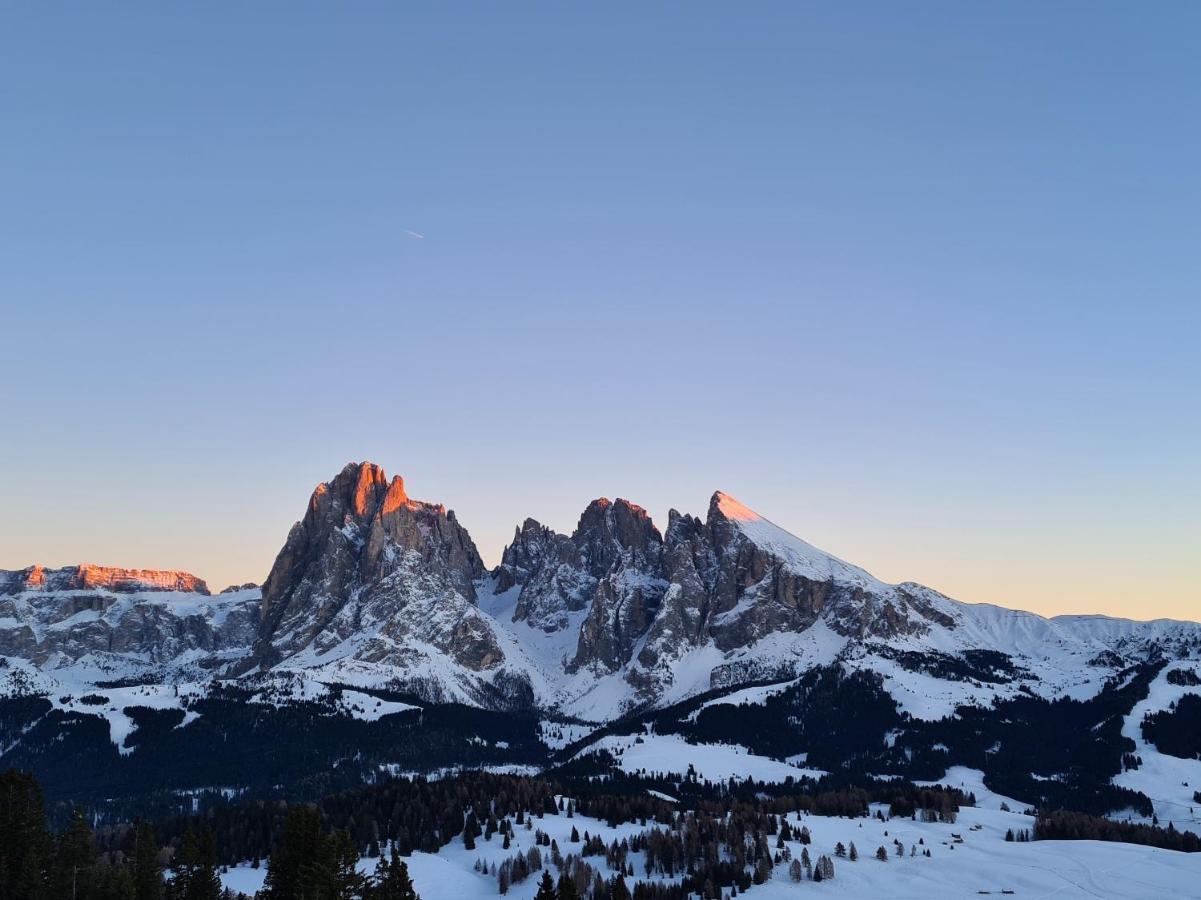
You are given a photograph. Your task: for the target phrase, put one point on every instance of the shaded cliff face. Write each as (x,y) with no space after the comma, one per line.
(725,583)
(373,577)
(603,580)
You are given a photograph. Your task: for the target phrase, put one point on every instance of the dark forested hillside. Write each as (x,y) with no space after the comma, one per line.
(848,724)
(293,748)
(1176,730)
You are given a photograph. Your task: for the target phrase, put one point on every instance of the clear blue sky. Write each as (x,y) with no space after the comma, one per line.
(918,282)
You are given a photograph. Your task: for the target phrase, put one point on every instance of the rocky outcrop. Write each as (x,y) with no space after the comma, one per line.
(119,624)
(621,549)
(727,582)
(90,577)
(607,570)
(549,570)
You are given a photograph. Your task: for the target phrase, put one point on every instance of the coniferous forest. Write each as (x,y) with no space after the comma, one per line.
(726,838)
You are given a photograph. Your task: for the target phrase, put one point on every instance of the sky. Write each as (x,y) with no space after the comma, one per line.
(918,282)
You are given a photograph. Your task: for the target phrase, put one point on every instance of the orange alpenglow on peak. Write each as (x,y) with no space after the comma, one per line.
(733,509)
(370,478)
(396,496)
(633,507)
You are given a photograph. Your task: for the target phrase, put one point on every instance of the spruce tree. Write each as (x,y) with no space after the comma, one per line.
(567,889)
(546,888)
(73,860)
(147,874)
(24,839)
(618,889)
(204,883)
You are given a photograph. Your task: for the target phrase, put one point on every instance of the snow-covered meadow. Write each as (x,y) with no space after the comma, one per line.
(983,864)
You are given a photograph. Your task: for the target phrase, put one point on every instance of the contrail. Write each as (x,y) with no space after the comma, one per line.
(419,236)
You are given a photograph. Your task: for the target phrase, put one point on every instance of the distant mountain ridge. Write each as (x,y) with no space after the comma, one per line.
(376,589)
(87,576)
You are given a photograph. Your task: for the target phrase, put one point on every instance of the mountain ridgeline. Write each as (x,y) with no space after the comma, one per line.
(380,642)
(374,585)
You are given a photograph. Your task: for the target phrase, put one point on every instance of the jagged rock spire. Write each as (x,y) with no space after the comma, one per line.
(366,552)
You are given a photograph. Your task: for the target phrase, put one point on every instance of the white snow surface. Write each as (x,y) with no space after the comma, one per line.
(984,862)
(669,753)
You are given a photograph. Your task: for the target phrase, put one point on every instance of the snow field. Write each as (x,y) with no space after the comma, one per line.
(984,863)
(670,753)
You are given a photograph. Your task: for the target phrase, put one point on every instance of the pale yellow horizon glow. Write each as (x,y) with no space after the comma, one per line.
(1041,566)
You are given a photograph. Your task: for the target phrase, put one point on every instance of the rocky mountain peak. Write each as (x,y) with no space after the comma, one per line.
(609,529)
(395,497)
(725,506)
(355,490)
(533,546)
(369,571)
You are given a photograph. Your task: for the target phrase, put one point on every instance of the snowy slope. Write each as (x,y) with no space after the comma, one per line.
(985,863)
(1168,780)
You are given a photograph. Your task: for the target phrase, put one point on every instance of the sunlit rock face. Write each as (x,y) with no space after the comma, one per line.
(370,578)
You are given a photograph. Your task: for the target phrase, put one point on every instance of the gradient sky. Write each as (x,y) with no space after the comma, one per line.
(918,282)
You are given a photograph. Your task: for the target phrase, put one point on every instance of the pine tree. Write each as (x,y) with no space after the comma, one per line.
(341,857)
(502,878)
(567,889)
(882,854)
(24,839)
(73,860)
(391,880)
(404,884)
(546,888)
(853,854)
(204,883)
(618,889)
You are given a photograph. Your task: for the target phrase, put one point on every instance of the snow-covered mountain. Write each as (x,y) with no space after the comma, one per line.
(722,629)
(92,624)
(375,589)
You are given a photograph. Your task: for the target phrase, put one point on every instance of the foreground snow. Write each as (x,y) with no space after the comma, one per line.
(984,862)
